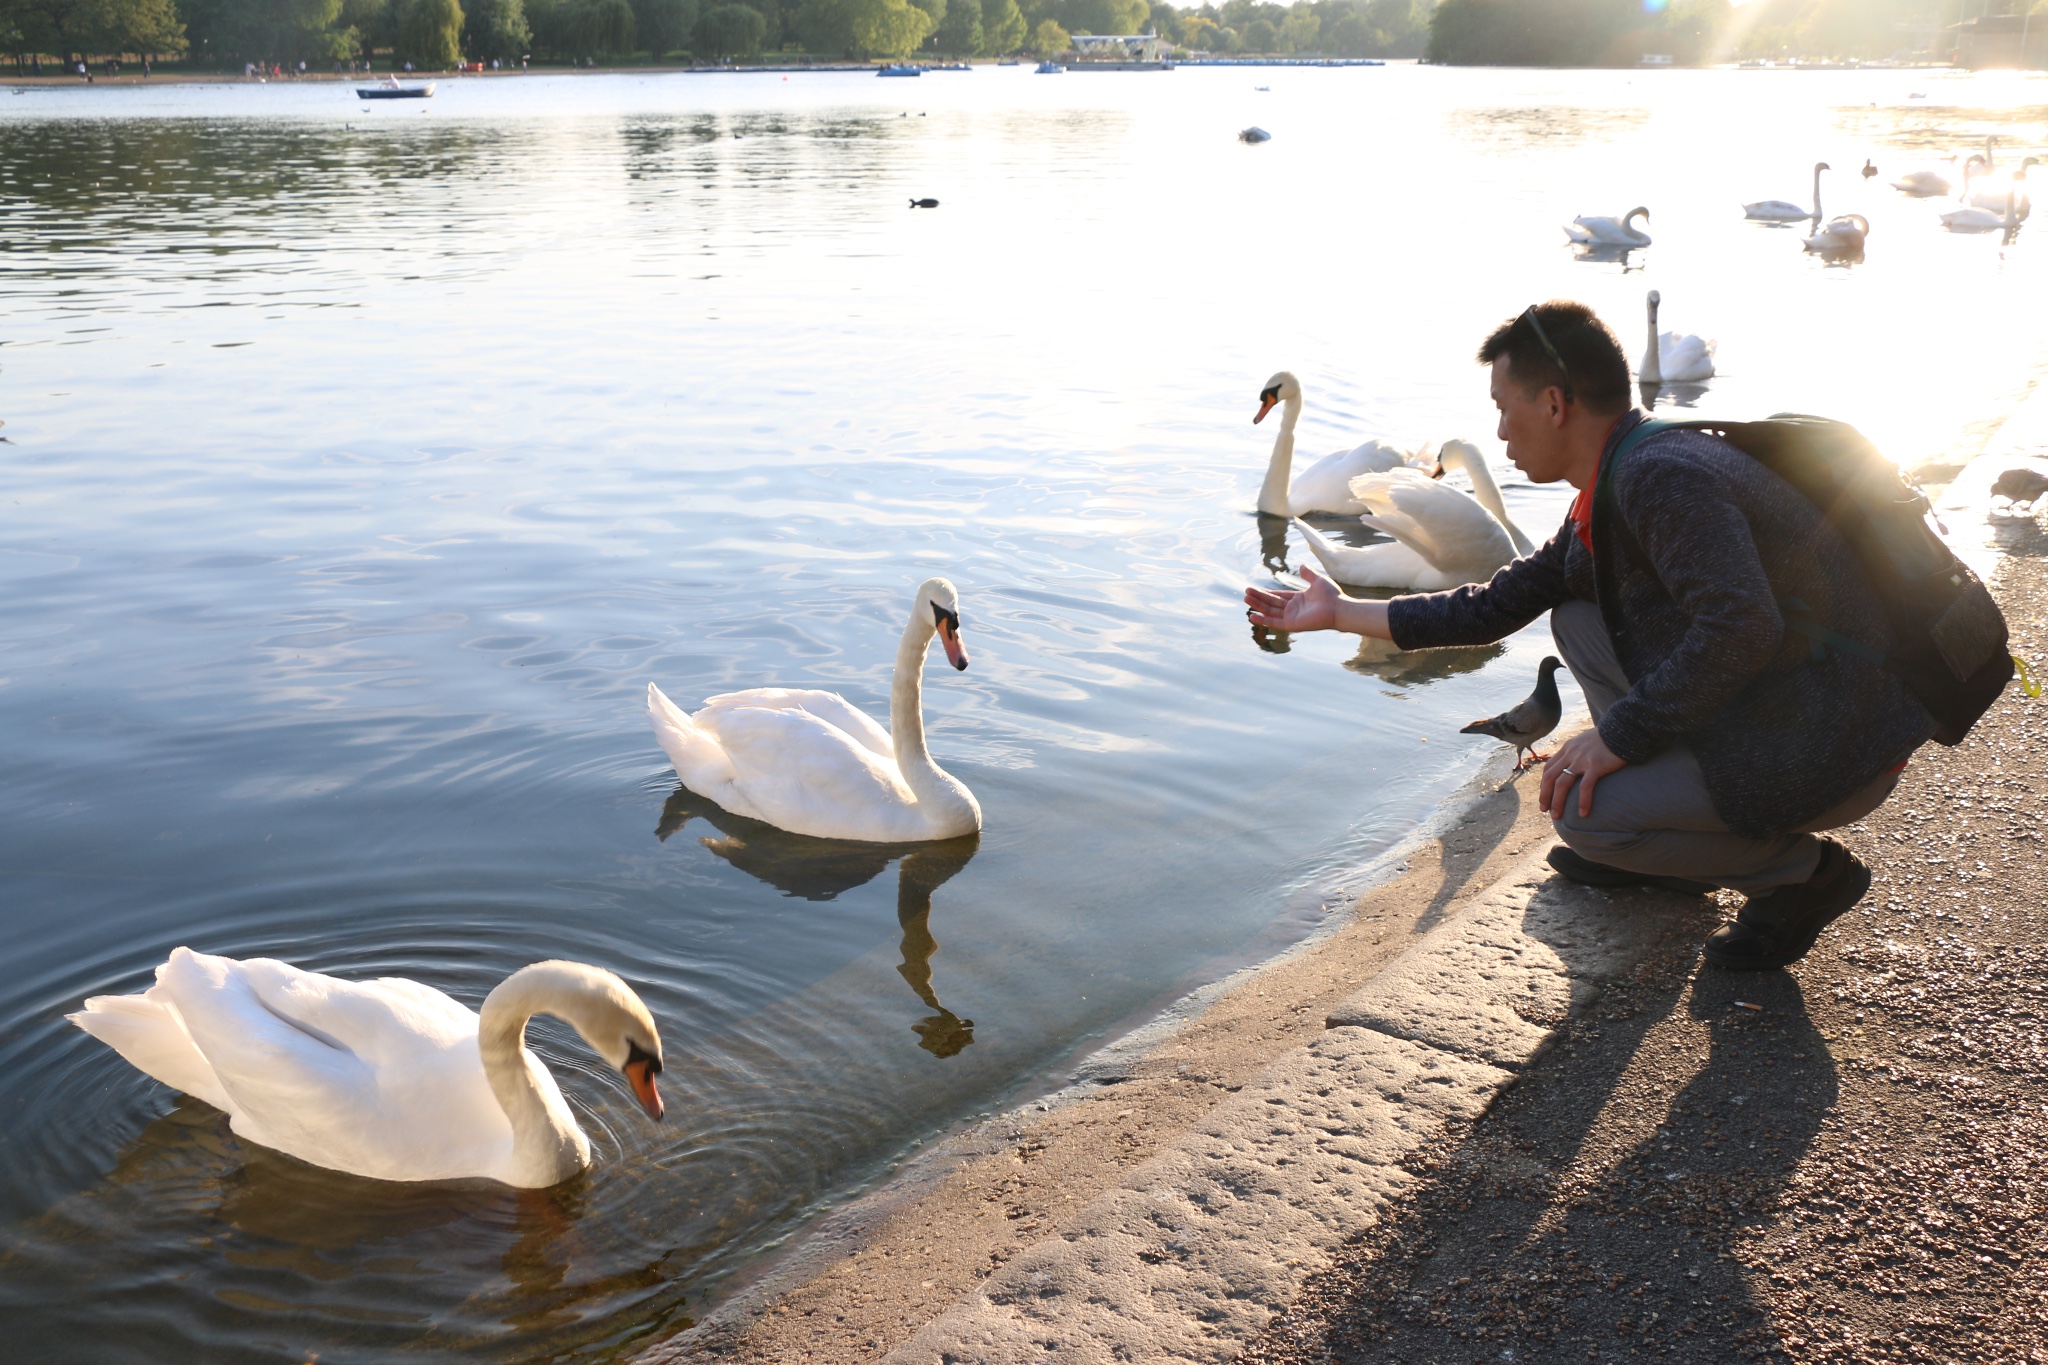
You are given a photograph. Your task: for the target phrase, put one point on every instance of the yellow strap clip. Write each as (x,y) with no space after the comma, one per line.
(2027,683)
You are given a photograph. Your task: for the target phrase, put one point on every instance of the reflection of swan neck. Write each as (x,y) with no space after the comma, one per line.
(1458,455)
(938,793)
(1273,499)
(547,1146)
(1651,371)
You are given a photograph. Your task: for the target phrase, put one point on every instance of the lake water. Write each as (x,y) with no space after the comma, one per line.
(367,461)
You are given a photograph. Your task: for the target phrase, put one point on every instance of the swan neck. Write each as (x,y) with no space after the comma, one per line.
(1652,369)
(547,1147)
(1273,498)
(1816,194)
(1488,494)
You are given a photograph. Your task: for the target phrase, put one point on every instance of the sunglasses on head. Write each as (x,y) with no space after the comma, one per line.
(1564,375)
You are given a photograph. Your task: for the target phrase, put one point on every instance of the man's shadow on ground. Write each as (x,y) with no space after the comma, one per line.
(1602,1203)
(821,869)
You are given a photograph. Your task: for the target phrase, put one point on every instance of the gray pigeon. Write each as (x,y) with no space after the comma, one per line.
(1528,720)
(2019,485)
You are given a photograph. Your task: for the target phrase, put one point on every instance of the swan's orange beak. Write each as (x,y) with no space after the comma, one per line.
(1266,402)
(640,1075)
(949,637)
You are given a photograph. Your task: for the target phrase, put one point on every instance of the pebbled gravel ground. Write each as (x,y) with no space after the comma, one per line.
(1842,1162)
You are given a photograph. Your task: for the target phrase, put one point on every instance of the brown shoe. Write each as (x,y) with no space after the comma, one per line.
(1779,927)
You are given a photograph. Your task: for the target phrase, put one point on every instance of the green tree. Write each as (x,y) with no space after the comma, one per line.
(862,28)
(1260,36)
(1165,20)
(934,10)
(960,34)
(1002,26)
(1302,28)
(597,28)
(1103,16)
(663,26)
(430,33)
(731,31)
(1049,39)
(496,29)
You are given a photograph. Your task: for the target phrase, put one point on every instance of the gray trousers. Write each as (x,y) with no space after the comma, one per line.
(1655,817)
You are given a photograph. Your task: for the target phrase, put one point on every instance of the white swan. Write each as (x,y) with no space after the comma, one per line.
(1993,196)
(1783,210)
(1324,486)
(1924,184)
(1983,220)
(1609,231)
(1442,538)
(388,1078)
(811,763)
(1674,357)
(1841,235)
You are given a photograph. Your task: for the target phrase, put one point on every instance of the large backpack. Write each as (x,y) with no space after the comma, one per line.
(1951,641)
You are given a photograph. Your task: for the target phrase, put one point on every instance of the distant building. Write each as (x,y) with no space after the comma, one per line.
(1119,47)
(2001,41)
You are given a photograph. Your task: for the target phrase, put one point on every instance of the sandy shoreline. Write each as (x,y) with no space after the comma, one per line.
(867,1276)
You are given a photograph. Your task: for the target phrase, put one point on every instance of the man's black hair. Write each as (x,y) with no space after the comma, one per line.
(1565,344)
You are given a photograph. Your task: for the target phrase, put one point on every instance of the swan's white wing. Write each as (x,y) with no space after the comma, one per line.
(1585,230)
(1778,210)
(1451,530)
(829,707)
(1371,566)
(699,760)
(152,1038)
(1684,358)
(1325,486)
(798,772)
(380,1078)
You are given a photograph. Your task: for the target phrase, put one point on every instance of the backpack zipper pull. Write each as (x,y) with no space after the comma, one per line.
(2027,683)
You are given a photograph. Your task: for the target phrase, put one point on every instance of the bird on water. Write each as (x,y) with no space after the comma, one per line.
(924,203)
(1529,720)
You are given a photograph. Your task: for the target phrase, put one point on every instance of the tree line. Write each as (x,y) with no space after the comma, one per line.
(436,34)
(1620,32)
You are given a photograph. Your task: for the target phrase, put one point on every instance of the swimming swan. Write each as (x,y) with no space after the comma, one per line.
(1608,231)
(810,762)
(1784,211)
(1984,220)
(1442,538)
(1324,486)
(1924,184)
(1841,236)
(388,1078)
(1993,195)
(1674,357)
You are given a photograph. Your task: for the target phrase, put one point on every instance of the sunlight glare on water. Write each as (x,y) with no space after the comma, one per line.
(368,462)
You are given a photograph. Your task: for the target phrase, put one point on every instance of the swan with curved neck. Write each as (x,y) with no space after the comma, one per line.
(389,1079)
(1324,486)
(1784,210)
(1673,357)
(1609,231)
(812,763)
(1842,236)
(1992,196)
(1441,537)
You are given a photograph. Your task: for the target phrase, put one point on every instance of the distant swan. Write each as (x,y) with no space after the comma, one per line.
(1674,357)
(1784,211)
(1841,235)
(1324,486)
(1983,220)
(1609,231)
(1924,184)
(1993,195)
(809,762)
(388,1079)
(1442,538)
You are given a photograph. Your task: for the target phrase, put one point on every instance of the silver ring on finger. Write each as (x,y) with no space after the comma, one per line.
(1570,771)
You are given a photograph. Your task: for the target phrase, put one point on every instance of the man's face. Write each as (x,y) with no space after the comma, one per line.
(1532,425)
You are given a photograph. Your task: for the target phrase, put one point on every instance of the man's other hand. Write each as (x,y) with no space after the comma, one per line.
(1313,608)
(1583,760)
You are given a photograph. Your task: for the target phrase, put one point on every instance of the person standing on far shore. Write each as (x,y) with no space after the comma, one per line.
(1722,741)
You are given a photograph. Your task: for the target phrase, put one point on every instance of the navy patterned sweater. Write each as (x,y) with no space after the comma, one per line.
(1722,544)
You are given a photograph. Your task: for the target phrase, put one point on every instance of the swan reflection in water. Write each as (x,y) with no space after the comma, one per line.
(398,1263)
(1273,542)
(1419,667)
(820,869)
(1671,394)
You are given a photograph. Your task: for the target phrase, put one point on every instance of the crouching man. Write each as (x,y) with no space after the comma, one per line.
(1723,741)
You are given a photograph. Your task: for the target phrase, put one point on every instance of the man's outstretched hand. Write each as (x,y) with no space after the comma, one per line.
(1313,608)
